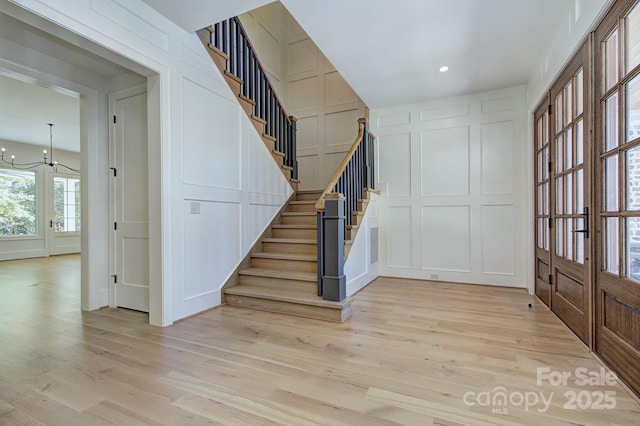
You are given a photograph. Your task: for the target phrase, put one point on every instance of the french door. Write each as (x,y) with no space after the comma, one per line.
(617,135)
(564,197)
(543,202)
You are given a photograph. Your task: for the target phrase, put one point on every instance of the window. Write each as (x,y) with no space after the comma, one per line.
(66,194)
(17,202)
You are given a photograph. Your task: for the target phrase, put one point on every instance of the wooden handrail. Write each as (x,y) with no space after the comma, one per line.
(332,183)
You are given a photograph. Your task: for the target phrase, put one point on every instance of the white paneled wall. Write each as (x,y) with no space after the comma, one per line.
(453,177)
(327,109)
(213,185)
(361,266)
(311,89)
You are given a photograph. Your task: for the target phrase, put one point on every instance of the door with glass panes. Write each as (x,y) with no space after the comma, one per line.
(617,136)
(570,196)
(543,202)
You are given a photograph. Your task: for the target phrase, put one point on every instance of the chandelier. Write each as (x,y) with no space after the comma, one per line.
(45,162)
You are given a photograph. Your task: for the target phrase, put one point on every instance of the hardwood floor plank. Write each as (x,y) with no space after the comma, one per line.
(411,354)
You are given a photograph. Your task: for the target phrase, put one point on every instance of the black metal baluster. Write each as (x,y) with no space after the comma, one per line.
(238,51)
(293,153)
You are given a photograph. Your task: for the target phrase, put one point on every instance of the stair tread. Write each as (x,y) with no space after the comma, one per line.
(303,202)
(311,191)
(277,273)
(299,213)
(284,226)
(285,256)
(289,240)
(285,292)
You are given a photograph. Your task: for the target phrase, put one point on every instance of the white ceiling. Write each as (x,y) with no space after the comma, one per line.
(27,105)
(390,50)
(26,109)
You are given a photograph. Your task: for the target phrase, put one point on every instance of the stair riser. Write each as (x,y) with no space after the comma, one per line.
(308,196)
(252,279)
(285,264)
(247,106)
(259,125)
(289,248)
(234,84)
(325,314)
(303,234)
(299,220)
(302,208)
(279,159)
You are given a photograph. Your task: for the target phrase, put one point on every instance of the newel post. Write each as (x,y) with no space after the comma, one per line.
(334,282)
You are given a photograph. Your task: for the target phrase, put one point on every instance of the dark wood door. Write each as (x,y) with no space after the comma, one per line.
(617,145)
(543,202)
(571,195)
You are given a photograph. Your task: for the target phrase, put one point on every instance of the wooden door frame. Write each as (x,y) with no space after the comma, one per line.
(542,278)
(582,59)
(612,20)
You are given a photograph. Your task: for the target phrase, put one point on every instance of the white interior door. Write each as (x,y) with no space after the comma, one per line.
(131,218)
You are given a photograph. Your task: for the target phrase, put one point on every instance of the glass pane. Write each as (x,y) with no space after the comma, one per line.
(559,154)
(633,109)
(540,194)
(559,196)
(611,59)
(17,202)
(547,235)
(540,231)
(611,255)
(579,143)
(569,233)
(611,184)
(611,122)
(559,109)
(633,38)
(633,178)
(545,201)
(545,167)
(540,129)
(568,185)
(568,102)
(539,161)
(579,175)
(545,130)
(579,92)
(633,248)
(66,204)
(560,237)
(579,241)
(568,149)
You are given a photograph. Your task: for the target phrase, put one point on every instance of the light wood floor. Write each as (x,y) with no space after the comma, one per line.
(410,354)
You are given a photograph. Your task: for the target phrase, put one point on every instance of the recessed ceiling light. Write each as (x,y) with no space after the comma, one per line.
(444,69)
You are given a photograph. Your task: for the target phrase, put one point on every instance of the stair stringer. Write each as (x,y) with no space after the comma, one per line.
(235,85)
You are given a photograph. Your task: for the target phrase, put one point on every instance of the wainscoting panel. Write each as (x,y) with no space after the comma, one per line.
(497,158)
(395,171)
(444,162)
(452,174)
(446,238)
(211,152)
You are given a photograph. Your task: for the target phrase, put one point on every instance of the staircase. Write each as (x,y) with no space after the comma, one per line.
(235,57)
(283,276)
